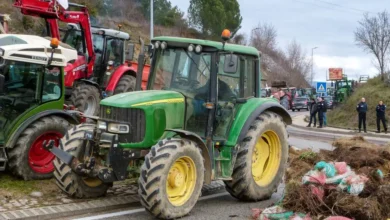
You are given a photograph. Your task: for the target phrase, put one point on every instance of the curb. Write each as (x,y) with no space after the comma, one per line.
(350,132)
(99,205)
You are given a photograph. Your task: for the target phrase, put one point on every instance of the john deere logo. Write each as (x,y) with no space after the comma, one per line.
(108,111)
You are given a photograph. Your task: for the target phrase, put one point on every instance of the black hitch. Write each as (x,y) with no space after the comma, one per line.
(60,154)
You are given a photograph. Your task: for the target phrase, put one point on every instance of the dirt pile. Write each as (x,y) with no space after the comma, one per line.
(363,158)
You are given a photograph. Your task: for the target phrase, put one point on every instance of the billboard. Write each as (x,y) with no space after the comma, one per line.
(335,73)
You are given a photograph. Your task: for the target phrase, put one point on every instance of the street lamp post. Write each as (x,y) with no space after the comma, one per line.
(151,20)
(312,65)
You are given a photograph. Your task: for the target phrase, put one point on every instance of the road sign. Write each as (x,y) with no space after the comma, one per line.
(321,87)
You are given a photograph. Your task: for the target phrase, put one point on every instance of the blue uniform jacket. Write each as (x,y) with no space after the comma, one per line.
(362,107)
(380,110)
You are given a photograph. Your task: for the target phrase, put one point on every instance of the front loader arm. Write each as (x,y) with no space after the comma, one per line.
(51,11)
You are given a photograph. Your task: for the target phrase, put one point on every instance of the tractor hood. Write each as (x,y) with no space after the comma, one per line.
(143,98)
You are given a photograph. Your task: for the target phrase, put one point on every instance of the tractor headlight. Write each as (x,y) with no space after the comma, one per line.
(198,49)
(1,52)
(102,125)
(191,48)
(157,44)
(164,45)
(118,128)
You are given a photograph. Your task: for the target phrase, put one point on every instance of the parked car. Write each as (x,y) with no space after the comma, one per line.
(329,101)
(300,103)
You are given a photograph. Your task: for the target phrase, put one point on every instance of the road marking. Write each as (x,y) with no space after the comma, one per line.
(134,211)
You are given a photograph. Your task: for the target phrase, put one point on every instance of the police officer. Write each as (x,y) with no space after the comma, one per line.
(362,108)
(380,116)
(320,110)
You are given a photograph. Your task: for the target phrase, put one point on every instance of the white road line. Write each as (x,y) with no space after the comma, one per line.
(134,211)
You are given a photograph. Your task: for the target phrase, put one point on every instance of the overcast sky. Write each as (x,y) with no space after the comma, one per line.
(326,24)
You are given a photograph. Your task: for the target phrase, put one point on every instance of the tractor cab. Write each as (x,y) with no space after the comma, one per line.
(26,79)
(184,66)
(109,47)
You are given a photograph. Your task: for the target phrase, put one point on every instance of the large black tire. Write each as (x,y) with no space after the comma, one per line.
(154,176)
(86,98)
(125,84)
(68,181)
(23,157)
(243,185)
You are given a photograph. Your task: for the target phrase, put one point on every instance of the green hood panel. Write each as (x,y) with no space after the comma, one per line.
(142,98)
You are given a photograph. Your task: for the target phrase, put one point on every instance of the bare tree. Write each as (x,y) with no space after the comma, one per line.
(240,38)
(263,37)
(373,35)
(297,59)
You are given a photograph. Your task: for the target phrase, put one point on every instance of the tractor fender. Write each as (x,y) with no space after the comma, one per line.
(116,76)
(269,106)
(205,152)
(92,83)
(70,116)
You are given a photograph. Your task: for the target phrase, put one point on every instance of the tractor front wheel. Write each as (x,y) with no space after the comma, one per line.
(28,159)
(125,84)
(261,159)
(171,178)
(68,181)
(86,98)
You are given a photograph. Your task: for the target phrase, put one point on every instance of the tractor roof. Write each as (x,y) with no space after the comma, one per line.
(34,49)
(218,45)
(111,33)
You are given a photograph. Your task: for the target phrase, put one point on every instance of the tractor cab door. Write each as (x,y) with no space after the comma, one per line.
(235,86)
(109,60)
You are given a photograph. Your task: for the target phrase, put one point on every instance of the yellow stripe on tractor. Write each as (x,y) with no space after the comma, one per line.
(176,100)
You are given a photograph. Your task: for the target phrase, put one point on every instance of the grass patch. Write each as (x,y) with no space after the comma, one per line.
(14,187)
(346,116)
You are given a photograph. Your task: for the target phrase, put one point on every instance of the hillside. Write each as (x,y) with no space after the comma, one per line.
(277,64)
(346,116)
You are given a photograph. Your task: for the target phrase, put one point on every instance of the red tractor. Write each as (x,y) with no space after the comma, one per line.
(103,68)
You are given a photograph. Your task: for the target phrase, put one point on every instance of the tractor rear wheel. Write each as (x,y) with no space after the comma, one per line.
(261,159)
(68,181)
(86,98)
(171,178)
(28,159)
(125,84)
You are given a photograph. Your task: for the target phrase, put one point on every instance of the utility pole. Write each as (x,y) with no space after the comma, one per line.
(151,20)
(312,65)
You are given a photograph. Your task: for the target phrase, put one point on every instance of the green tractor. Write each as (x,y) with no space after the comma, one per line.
(32,103)
(201,119)
(343,89)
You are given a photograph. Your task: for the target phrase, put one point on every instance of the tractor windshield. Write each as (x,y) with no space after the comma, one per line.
(26,86)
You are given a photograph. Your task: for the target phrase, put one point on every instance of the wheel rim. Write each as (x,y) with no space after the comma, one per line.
(181,181)
(90,105)
(92,182)
(39,159)
(266,158)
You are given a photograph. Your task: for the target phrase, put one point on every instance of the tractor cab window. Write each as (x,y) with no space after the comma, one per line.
(51,84)
(74,39)
(115,51)
(188,73)
(21,88)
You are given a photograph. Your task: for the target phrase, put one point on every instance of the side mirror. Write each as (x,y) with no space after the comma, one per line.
(130,52)
(230,63)
(2,80)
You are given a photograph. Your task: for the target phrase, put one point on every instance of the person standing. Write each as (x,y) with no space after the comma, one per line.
(381,116)
(320,110)
(313,112)
(325,110)
(362,108)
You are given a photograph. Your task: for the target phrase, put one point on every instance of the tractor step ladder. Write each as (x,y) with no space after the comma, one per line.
(3,159)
